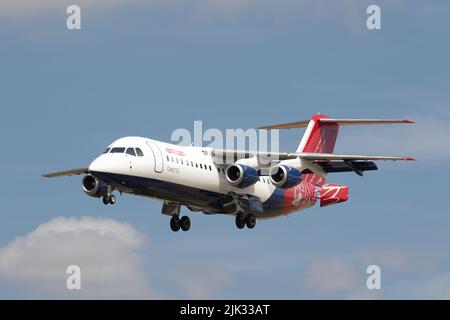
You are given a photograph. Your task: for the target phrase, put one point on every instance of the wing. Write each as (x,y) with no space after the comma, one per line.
(345,157)
(231,156)
(66,173)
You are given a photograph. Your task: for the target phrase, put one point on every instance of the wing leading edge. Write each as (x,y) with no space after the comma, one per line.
(66,173)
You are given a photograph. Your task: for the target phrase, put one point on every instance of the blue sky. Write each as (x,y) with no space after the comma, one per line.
(148,68)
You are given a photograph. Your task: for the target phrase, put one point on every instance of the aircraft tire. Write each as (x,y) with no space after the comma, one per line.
(185,223)
(175,224)
(250,221)
(112,199)
(240,221)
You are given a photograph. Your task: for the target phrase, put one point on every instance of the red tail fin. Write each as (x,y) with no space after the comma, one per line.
(319,138)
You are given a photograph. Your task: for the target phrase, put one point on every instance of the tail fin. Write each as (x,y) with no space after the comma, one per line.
(321,133)
(319,137)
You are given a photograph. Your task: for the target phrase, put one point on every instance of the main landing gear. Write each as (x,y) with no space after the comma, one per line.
(109,199)
(243,220)
(176,223)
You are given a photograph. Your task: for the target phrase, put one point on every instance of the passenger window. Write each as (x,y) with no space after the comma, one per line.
(107,150)
(181,161)
(176,160)
(210,169)
(131,152)
(168,158)
(196,165)
(117,150)
(171,158)
(139,152)
(192,164)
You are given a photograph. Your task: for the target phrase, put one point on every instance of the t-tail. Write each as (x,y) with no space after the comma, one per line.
(317,144)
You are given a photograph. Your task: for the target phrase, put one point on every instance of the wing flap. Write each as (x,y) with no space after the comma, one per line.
(66,173)
(340,166)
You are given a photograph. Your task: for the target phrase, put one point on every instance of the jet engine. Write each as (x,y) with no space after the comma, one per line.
(93,187)
(241,176)
(284,177)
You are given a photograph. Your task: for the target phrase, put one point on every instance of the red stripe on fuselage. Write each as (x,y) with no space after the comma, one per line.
(177,152)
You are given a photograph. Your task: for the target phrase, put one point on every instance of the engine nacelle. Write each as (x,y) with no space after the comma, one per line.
(241,176)
(285,177)
(93,187)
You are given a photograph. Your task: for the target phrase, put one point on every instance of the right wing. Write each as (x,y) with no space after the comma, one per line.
(66,173)
(346,157)
(231,156)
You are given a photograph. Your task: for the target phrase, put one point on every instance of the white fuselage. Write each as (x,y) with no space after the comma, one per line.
(166,171)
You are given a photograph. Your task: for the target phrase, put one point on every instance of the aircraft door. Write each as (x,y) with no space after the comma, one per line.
(157,156)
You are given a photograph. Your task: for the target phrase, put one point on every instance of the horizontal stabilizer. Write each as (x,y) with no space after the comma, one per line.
(66,173)
(304,123)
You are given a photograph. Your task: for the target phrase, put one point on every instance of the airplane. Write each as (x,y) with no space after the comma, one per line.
(231,182)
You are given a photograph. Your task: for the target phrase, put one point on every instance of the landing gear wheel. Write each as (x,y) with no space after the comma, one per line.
(112,199)
(250,221)
(185,223)
(175,224)
(105,199)
(240,221)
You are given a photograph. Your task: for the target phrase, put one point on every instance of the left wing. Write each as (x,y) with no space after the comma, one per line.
(66,173)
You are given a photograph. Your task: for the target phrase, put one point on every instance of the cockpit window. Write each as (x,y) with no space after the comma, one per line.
(131,152)
(118,150)
(139,152)
(107,150)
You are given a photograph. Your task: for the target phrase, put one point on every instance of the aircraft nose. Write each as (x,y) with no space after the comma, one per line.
(97,165)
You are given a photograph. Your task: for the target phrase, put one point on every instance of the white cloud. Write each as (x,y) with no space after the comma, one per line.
(107,252)
(330,276)
(395,261)
(333,278)
(352,13)
(204,282)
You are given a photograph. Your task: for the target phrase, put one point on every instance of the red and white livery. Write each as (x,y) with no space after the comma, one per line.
(205,180)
